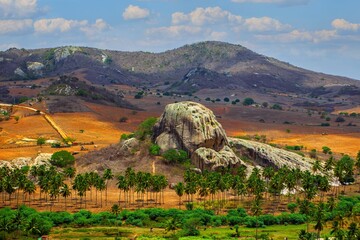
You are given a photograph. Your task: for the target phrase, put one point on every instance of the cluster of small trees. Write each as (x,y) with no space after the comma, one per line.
(149,188)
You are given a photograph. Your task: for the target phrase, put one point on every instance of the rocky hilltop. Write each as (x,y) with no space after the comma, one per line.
(192,127)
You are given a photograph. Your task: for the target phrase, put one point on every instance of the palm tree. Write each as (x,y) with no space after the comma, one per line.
(115,209)
(268,173)
(9,188)
(319,218)
(108,175)
(29,188)
(65,192)
(70,172)
(316,166)
(122,185)
(256,211)
(336,230)
(179,189)
(100,186)
(130,178)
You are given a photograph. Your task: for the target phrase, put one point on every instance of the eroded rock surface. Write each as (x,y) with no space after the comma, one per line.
(193,127)
(266,155)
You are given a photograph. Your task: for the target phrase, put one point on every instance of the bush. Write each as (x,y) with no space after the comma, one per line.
(292,218)
(145,128)
(325,124)
(226,99)
(175,156)
(269,220)
(292,207)
(276,107)
(154,150)
(248,101)
(340,119)
(62,159)
(125,136)
(252,222)
(123,119)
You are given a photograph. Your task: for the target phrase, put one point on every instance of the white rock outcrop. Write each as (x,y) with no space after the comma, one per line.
(192,127)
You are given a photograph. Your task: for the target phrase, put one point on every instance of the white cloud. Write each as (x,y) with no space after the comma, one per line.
(218,36)
(57,25)
(15,26)
(342,24)
(281,2)
(305,36)
(174,31)
(17,8)
(135,12)
(100,25)
(201,16)
(265,24)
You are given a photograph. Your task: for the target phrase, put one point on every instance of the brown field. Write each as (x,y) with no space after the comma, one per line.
(102,126)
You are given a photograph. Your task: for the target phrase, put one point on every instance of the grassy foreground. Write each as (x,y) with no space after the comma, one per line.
(126,232)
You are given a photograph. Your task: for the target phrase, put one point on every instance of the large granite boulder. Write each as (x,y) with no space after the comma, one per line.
(192,127)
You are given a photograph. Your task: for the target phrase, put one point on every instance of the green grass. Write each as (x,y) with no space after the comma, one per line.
(126,232)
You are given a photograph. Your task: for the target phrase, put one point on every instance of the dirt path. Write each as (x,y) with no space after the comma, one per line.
(47,117)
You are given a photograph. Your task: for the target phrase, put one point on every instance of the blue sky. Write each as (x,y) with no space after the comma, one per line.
(321,35)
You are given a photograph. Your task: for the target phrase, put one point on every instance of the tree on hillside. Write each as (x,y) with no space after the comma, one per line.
(40,141)
(62,159)
(248,101)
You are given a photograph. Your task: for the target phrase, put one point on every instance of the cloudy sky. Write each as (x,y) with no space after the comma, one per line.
(321,35)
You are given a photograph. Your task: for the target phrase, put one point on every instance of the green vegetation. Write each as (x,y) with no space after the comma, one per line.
(154,150)
(248,101)
(276,107)
(172,156)
(62,159)
(326,150)
(145,128)
(40,141)
(125,136)
(207,201)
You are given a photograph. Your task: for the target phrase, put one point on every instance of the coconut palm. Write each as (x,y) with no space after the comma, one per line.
(65,192)
(319,218)
(108,175)
(179,189)
(30,189)
(115,209)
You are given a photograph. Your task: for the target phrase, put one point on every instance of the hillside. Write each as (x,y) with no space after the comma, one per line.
(222,66)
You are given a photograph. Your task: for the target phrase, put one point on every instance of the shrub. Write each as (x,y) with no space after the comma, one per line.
(325,124)
(326,150)
(269,220)
(125,136)
(154,150)
(175,156)
(292,218)
(145,128)
(292,207)
(248,101)
(252,222)
(40,141)
(123,119)
(62,159)
(340,119)
(276,107)
(226,99)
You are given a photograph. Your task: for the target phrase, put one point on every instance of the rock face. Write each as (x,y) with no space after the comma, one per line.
(41,159)
(266,155)
(192,127)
